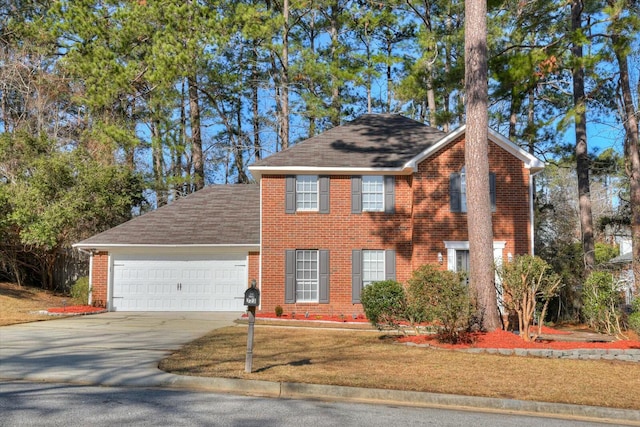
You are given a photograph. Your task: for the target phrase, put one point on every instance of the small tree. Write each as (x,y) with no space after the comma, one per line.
(634,317)
(600,303)
(525,281)
(434,294)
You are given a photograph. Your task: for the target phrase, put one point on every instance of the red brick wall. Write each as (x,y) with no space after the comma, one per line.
(100,279)
(340,231)
(253,267)
(416,231)
(433,221)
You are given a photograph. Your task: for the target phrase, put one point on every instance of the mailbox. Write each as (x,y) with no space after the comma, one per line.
(252,295)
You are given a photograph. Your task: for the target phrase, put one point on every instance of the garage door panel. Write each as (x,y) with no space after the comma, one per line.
(178,284)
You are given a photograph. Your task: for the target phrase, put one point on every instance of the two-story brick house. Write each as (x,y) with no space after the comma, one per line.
(370,200)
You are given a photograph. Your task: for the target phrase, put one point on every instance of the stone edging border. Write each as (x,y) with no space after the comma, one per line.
(625,355)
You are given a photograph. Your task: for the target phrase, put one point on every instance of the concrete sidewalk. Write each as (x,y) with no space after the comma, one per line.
(123,349)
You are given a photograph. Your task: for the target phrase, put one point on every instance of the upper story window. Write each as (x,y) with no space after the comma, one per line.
(463,190)
(307,192)
(458,191)
(372,194)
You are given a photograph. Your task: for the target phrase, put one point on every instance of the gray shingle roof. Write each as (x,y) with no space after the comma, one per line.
(370,141)
(215,215)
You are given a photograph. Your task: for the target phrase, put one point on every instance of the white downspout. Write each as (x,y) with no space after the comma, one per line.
(90,300)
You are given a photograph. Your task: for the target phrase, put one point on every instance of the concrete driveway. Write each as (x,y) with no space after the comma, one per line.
(116,348)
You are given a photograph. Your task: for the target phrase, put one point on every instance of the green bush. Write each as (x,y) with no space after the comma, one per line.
(605,252)
(384,303)
(600,303)
(440,295)
(80,291)
(634,317)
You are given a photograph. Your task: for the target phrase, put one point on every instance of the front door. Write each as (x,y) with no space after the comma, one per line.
(462,262)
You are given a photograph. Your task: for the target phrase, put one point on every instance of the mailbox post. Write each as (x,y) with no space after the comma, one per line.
(251,300)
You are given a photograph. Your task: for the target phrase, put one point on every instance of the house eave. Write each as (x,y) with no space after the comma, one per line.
(259,171)
(92,247)
(529,160)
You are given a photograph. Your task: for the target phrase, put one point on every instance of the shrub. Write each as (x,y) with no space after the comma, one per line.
(80,291)
(525,281)
(441,295)
(600,303)
(605,252)
(634,317)
(384,303)
(278,311)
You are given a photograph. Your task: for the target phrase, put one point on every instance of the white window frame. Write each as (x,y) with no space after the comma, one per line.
(367,193)
(302,204)
(307,286)
(369,274)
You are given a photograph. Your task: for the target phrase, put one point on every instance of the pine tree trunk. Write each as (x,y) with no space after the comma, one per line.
(255,100)
(582,158)
(631,153)
(158,164)
(196,135)
(284,78)
(336,105)
(481,274)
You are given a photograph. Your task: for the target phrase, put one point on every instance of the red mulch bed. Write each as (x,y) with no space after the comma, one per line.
(496,339)
(509,340)
(75,309)
(318,318)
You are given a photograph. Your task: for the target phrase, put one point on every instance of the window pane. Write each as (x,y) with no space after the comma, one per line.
(307,192)
(372,193)
(372,266)
(307,276)
(463,190)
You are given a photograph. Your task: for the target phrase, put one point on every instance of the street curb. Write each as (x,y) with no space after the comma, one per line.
(284,390)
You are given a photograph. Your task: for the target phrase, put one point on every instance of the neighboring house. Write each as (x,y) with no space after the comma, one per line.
(370,200)
(624,271)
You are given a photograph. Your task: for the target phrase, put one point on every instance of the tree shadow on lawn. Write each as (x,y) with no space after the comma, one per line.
(301,362)
(13,291)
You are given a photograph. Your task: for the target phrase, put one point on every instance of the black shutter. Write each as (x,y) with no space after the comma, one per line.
(323,276)
(356,194)
(290,195)
(454,192)
(390,264)
(290,277)
(492,190)
(389,194)
(323,190)
(356,275)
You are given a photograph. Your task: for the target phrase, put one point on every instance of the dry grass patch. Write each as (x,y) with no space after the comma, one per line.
(20,304)
(373,360)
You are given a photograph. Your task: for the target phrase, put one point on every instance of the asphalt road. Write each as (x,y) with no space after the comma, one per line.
(49,404)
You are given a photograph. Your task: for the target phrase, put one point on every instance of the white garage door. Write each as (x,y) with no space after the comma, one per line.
(178,283)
